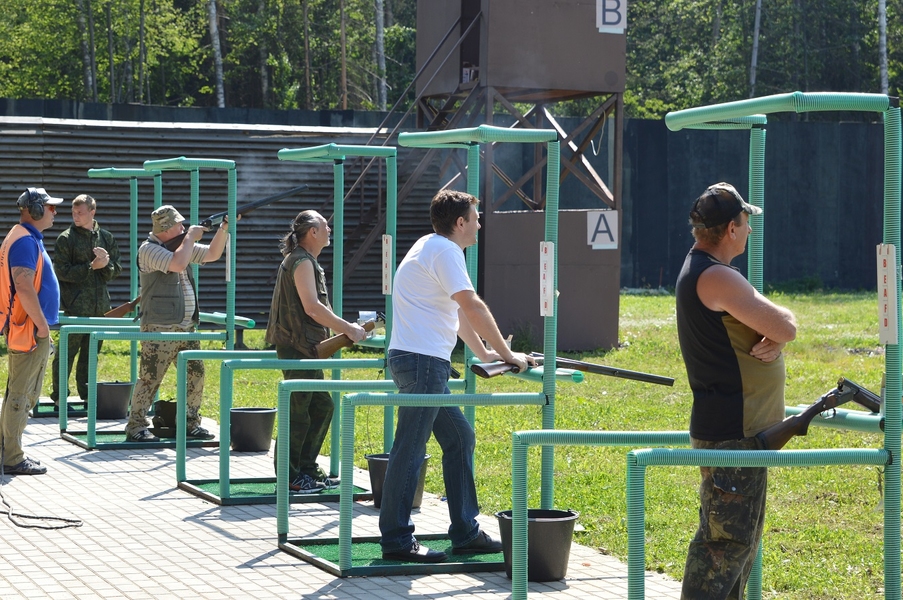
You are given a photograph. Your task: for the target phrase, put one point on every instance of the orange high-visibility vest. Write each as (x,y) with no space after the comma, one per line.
(17,325)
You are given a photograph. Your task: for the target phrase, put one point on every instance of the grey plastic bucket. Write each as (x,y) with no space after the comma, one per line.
(377,464)
(113,399)
(549,535)
(251,428)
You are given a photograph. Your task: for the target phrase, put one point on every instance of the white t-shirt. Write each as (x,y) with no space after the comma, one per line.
(425,318)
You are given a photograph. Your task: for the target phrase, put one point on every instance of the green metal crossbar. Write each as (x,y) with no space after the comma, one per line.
(193,165)
(638,460)
(521,441)
(235,360)
(131,334)
(351,401)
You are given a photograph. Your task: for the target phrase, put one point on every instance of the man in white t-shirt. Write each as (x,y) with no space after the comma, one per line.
(434,303)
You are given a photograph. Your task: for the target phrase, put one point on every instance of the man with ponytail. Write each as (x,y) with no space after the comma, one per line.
(300,318)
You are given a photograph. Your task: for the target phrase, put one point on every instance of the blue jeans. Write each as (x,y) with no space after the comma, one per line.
(421,374)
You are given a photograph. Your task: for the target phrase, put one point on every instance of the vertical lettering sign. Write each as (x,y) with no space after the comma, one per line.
(611,16)
(887,294)
(602,229)
(387,265)
(546,279)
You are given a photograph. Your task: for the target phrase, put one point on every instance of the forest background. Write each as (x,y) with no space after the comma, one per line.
(360,54)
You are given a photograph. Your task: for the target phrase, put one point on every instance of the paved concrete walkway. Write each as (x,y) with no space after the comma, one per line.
(143,537)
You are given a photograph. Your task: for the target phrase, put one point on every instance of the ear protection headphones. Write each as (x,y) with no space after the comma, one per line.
(32,201)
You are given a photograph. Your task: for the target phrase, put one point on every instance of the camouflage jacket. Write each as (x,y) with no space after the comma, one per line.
(83,290)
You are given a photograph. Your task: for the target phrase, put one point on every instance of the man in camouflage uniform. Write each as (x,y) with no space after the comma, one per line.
(169,303)
(731,338)
(85,258)
(300,318)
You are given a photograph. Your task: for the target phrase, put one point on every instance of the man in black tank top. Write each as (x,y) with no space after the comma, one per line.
(731,338)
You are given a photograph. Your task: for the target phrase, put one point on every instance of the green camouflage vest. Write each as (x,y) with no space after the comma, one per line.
(288,324)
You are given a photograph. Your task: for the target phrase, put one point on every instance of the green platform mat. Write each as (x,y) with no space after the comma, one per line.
(260,491)
(367,560)
(42,410)
(115,440)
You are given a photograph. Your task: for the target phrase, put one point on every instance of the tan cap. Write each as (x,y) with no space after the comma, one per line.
(165,218)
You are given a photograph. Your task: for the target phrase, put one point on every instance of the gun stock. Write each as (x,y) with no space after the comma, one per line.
(330,346)
(123,309)
(777,436)
(488,370)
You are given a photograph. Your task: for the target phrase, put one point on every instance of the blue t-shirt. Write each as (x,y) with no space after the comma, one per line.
(24,253)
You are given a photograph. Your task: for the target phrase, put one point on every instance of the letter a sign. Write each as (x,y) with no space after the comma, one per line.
(602,229)
(611,16)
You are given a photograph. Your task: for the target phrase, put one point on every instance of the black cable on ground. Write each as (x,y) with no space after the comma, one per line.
(12,515)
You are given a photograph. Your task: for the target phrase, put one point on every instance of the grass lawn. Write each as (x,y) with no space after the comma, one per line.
(824,528)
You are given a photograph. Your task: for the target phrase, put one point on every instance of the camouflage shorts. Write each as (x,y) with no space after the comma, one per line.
(731,520)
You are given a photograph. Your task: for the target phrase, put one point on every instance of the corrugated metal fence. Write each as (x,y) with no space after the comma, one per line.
(57,154)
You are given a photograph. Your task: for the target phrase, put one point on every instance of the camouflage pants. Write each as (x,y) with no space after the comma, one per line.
(156,357)
(731,520)
(311,414)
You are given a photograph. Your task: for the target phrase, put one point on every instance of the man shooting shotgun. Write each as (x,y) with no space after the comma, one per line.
(207,224)
(170,305)
(487,370)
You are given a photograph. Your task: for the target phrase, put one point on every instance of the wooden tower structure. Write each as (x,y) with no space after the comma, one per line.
(481,59)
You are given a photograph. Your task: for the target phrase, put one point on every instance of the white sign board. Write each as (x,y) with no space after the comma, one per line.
(387,265)
(602,229)
(546,279)
(611,16)
(887,294)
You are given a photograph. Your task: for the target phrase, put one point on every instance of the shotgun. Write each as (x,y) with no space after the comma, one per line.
(208,223)
(487,370)
(215,219)
(776,436)
(123,309)
(330,346)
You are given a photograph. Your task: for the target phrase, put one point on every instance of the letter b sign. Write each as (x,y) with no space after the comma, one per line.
(611,16)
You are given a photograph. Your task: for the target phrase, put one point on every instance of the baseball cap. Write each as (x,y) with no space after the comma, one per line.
(717,205)
(164,218)
(33,194)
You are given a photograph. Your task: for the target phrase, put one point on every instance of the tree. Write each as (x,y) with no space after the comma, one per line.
(217,53)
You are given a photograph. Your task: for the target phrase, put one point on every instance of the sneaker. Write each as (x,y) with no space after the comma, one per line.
(305,484)
(328,481)
(26,467)
(482,544)
(417,554)
(143,435)
(199,433)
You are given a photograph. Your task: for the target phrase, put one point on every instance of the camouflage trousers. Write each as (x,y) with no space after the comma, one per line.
(156,357)
(309,419)
(731,521)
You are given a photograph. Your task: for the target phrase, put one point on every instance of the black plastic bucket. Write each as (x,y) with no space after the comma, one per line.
(549,535)
(113,399)
(377,464)
(251,429)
